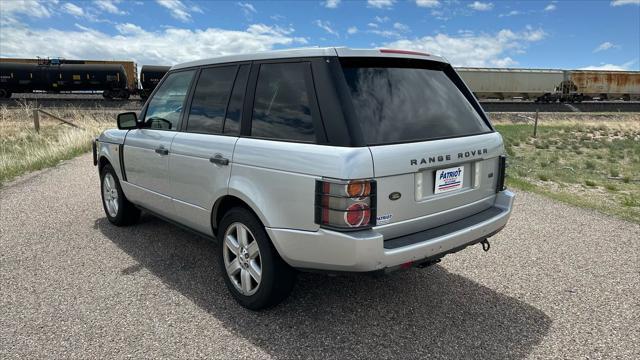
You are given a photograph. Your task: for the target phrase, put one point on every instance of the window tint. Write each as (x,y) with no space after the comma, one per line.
(234,111)
(210,100)
(165,107)
(395,104)
(281,108)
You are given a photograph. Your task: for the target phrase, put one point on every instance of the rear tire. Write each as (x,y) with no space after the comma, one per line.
(253,271)
(118,209)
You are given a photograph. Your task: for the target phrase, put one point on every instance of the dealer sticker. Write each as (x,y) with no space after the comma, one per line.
(448,179)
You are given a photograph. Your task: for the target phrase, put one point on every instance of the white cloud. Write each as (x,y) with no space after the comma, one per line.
(109,6)
(481,6)
(386,33)
(352,30)
(373,25)
(331,4)
(428,3)
(605,46)
(32,8)
(380,4)
(247,8)
(73,9)
(550,7)
(177,9)
(511,13)
(470,49)
(128,29)
(144,47)
(326,26)
(623,67)
(625,2)
(382,19)
(401,27)
(504,62)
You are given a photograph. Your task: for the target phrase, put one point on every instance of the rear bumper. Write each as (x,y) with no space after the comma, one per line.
(367,250)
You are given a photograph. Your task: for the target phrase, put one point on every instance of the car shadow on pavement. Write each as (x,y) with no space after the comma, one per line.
(428,313)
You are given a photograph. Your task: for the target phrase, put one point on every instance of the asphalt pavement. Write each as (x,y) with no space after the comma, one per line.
(558,282)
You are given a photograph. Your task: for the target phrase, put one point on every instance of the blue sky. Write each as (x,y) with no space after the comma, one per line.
(533,34)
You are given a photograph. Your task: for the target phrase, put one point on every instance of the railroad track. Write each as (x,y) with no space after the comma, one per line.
(84,102)
(97,102)
(587,106)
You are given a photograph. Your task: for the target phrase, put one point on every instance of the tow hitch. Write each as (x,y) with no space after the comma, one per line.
(485,245)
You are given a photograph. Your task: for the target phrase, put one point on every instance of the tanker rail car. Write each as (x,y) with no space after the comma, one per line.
(150,76)
(550,85)
(114,79)
(110,79)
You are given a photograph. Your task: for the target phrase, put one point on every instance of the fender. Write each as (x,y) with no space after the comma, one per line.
(109,146)
(238,190)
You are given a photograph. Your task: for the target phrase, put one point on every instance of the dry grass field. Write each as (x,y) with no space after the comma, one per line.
(585,159)
(22,149)
(588,160)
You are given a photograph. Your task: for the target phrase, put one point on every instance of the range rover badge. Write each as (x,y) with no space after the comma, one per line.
(394,195)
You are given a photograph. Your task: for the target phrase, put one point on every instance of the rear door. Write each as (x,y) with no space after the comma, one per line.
(202,154)
(147,150)
(435,155)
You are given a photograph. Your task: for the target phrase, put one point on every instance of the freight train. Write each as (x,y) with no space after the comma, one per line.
(118,79)
(548,85)
(114,79)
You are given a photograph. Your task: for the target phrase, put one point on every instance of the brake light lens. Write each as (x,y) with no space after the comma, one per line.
(404,52)
(345,205)
(502,173)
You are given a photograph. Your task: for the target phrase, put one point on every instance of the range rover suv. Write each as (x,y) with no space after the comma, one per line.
(325,159)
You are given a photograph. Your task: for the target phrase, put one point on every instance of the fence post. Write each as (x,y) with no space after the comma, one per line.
(36,120)
(535,125)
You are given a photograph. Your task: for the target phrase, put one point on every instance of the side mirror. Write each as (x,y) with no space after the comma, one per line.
(127,121)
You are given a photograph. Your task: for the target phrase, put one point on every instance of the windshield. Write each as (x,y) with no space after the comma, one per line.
(406,104)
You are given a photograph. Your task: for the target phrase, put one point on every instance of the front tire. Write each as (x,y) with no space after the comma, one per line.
(253,271)
(118,209)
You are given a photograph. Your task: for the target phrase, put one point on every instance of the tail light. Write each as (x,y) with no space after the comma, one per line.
(502,168)
(346,205)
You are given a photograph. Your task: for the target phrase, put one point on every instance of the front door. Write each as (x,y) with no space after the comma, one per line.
(202,155)
(147,150)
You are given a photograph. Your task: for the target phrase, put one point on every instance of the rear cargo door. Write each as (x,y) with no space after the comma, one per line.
(435,155)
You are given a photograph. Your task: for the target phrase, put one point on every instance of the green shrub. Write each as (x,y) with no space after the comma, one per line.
(590,183)
(590,165)
(630,201)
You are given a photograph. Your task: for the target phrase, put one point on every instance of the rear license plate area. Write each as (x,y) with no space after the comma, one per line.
(448,180)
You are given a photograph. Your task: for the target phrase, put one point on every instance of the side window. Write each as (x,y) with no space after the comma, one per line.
(165,107)
(234,111)
(281,107)
(210,100)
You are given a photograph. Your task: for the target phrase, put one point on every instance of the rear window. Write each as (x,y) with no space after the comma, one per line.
(407,104)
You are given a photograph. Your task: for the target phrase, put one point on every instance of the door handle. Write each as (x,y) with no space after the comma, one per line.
(162,151)
(219,160)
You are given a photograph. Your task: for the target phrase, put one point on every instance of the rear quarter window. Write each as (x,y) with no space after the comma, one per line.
(282,103)
(404,104)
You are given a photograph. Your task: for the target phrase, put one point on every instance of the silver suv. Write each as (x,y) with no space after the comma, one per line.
(333,159)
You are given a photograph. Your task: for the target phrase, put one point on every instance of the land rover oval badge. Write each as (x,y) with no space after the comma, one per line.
(394,195)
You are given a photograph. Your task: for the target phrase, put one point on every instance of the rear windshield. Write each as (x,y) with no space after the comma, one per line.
(406,104)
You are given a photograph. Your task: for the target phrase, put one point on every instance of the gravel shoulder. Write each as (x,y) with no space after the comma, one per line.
(558,282)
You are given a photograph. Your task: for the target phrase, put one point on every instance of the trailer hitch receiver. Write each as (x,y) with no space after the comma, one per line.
(485,245)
